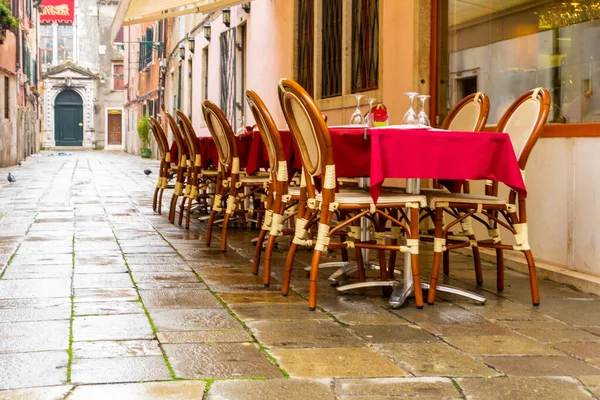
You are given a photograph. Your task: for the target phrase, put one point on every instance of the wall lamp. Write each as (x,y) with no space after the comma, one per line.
(227,17)
(192,44)
(207,30)
(181,51)
(246,7)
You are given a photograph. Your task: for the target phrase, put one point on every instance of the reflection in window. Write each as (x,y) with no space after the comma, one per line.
(64,36)
(522,45)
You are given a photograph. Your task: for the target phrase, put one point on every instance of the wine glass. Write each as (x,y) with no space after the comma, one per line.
(422,117)
(369,120)
(357,118)
(410,118)
(242,126)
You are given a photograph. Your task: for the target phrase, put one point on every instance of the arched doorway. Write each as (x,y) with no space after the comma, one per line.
(68,119)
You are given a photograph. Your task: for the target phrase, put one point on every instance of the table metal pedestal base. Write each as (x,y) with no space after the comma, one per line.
(403,290)
(344,269)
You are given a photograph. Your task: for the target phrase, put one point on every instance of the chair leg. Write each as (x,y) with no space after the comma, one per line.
(437,257)
(209,228)
(258,251)
(476,262)
(360,266)
(383,271)
(446,262)
(268,254)
(287,274)
(155,198)
(392,261)
(414,230)
(160,199)
(188,214)
(500,270)
(182,210)
(314,277)
(172,208)
(224,232)
(533,282)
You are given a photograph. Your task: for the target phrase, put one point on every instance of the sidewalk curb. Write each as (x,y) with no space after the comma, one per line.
(516,261)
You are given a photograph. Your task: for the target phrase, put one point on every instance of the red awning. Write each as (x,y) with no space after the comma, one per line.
(61,11)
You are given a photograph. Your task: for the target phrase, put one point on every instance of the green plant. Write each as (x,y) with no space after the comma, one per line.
(6,18)
(143,129)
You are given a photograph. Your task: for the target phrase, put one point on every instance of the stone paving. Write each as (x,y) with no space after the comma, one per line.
(102,298)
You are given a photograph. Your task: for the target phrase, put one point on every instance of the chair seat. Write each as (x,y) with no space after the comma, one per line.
(358,196)
(435,197)
(255,179)
(209,173)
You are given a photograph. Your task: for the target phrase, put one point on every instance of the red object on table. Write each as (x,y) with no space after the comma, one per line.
(426,154)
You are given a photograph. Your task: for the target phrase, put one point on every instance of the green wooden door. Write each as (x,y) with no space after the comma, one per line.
(68,119)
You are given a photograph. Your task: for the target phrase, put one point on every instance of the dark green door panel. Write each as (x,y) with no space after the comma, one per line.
(68,119)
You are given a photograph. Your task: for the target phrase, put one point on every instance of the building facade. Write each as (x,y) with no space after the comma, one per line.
(383,48)
(82,97)
(19,75)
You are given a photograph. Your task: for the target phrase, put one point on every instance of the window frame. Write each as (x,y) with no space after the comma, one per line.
(346,99)
(117,64)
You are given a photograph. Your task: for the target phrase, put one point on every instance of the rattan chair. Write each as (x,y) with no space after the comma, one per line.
(523,121)
(279,199)
(165,172)
(313,139)
(232,180)
(469,115)
(198,180)
(182,165)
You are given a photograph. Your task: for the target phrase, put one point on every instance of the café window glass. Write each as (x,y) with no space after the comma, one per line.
(506,47)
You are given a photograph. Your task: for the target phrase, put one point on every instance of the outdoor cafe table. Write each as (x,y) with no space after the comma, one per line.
(396,152)
(414,154)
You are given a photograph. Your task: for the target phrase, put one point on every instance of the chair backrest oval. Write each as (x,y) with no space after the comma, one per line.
(267,128)
(524,121)
(189,132)
(469,115)
(307,126)
(181,148)
(159,135)
(221,131)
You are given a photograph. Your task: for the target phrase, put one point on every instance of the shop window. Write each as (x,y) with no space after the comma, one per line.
(516,46)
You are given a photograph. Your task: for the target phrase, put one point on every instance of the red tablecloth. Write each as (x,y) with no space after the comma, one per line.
(390,152)
(208,150)
(251,150)
(427,154)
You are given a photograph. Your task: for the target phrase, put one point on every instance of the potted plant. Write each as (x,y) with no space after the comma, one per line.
(143,129)
(7,20)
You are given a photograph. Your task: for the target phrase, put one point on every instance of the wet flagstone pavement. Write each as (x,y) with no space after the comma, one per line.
(102,298)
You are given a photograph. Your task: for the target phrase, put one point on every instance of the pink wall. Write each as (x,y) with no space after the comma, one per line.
(8,52)
(270,57)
